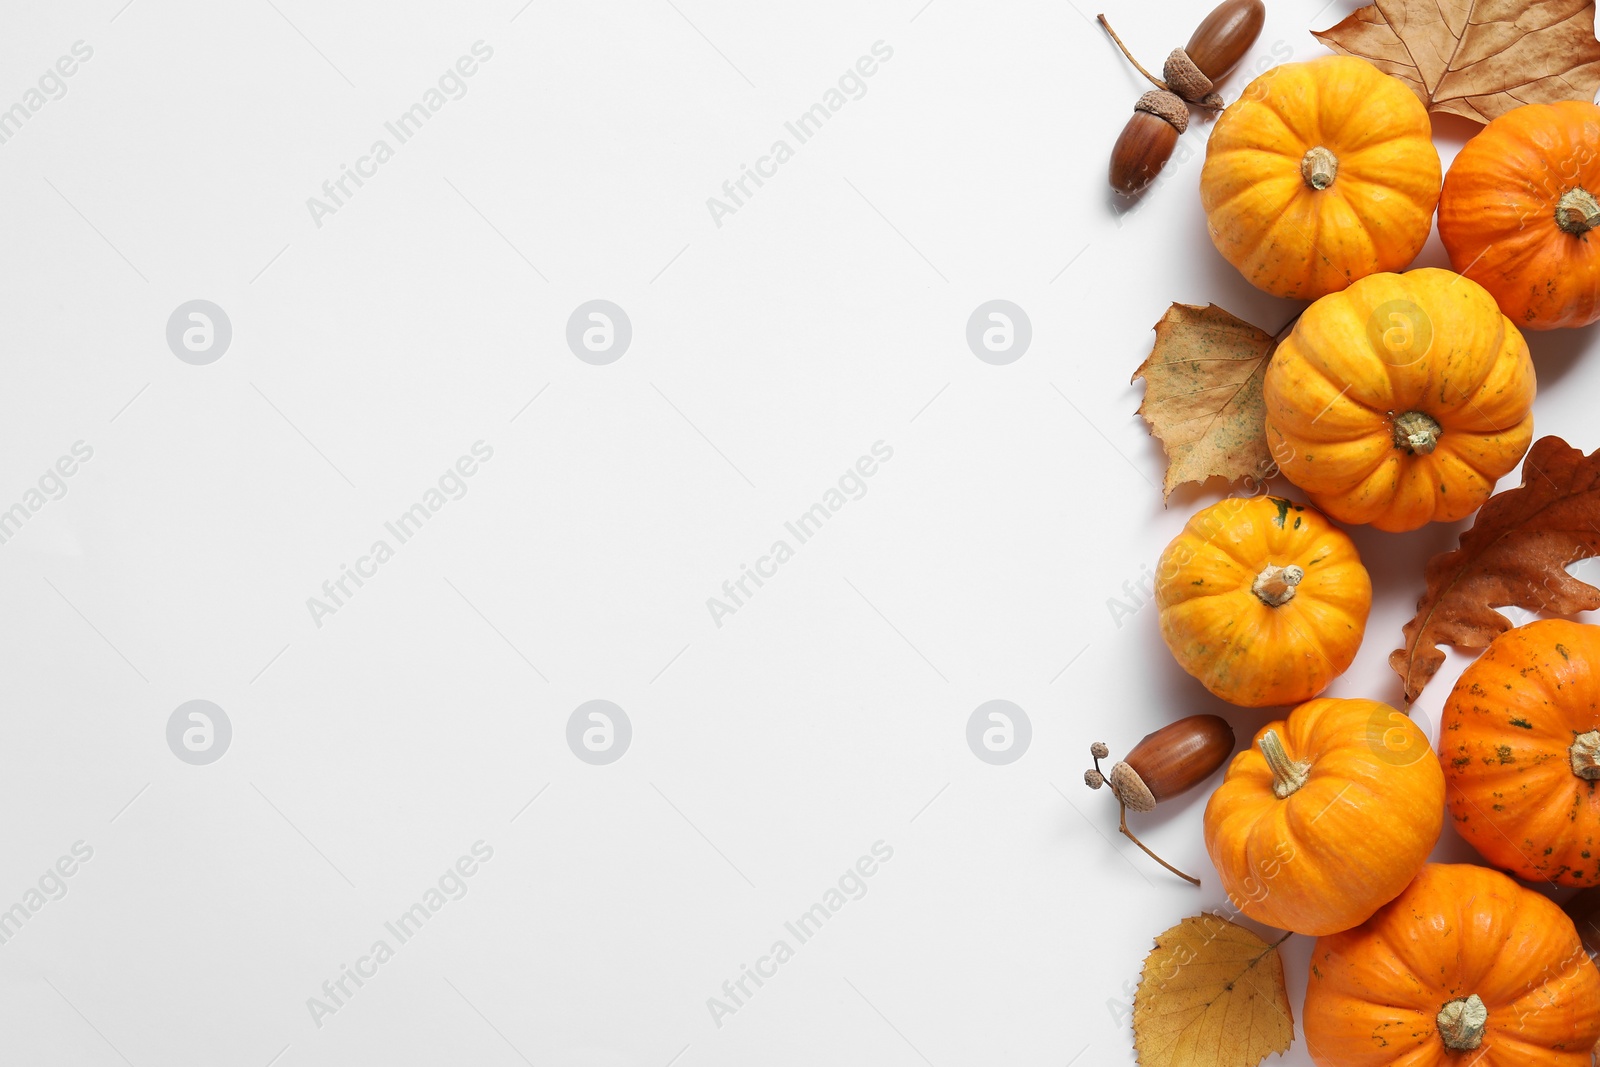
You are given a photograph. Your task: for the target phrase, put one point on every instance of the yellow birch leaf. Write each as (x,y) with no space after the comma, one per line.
(1211,995)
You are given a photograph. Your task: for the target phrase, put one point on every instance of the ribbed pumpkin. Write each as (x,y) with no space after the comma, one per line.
(1327,816)
(1517,208)
(1263,600)
(1401,400)
(1464,969)
(1520,743)
(1319,174)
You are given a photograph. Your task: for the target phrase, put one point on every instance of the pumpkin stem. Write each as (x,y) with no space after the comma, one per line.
(1462,1023)
(1275,585)
(1319,167)
(1129,835)
(1585,753)
(1577,212)
(1287,775)
(1417,432)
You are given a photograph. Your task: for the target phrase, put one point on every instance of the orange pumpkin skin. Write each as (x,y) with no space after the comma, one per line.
(1241,646)
(1401,400)
(1347,838)
(1516,211)
(1376,993)
(1319,174)
(1521,752)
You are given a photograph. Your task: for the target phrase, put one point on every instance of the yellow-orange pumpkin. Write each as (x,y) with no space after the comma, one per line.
(1327,816)
(1319,174)
(1401,400)
(1464,969)
(1520,743)
(1517,208)
(1263,600)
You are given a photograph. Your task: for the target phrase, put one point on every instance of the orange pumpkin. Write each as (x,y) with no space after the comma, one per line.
(1520,743)
(1517,208)
(1401,400)
(1464,969)
(1319,174)
(1327,816)
(1263,600)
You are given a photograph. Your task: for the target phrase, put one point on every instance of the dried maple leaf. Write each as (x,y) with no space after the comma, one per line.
(1516,553)
(1478,58)
(1211,995)
(1203,394)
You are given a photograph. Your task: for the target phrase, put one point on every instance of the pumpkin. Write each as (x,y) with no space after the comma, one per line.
(1327,816)
(1263,600)
(1517,208)
(1464,967)
(1319,174)
(1520,743)
(1401,400)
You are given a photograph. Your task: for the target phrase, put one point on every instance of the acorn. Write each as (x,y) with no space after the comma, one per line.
(1169,761)
(1225,36)
(1147,141)
(1189,76)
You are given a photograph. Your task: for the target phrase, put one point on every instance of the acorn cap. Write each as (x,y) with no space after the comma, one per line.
(1184,78)
(1169,106)
(1130,788)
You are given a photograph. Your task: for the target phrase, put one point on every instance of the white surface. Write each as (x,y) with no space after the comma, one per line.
(768,354)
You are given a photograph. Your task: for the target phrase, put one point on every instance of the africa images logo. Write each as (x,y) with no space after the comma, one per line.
(451,85)
(451,885)
(452,485)
(737,191)
(851,485)
(850,885)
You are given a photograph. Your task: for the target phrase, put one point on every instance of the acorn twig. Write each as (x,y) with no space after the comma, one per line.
(1189,78)
(1157,82)
(1176,757)
(1129,835)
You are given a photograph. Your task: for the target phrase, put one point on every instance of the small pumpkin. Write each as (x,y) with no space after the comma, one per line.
(1401,400)
(1517,208)
(1263,600)
(1520,743)
(1327,816)
(1319,174)
(1464,967)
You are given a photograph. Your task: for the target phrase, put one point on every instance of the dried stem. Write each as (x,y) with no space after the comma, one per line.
(1146,848)
(1287,775)
(1157,82)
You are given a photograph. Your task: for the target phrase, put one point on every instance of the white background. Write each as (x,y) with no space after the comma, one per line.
(768,754)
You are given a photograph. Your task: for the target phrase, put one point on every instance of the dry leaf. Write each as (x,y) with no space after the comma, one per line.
(1202,394)
(1478,58)
(1516,553)
(1211,995)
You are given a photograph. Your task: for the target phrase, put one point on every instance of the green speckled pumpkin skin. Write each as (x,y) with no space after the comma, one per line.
(1376,209)
(1505,741)
(1374,994)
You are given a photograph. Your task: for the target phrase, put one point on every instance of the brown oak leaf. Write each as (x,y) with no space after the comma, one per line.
(1515,554)
(1202,394)
(1478,58)
(1211,995)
